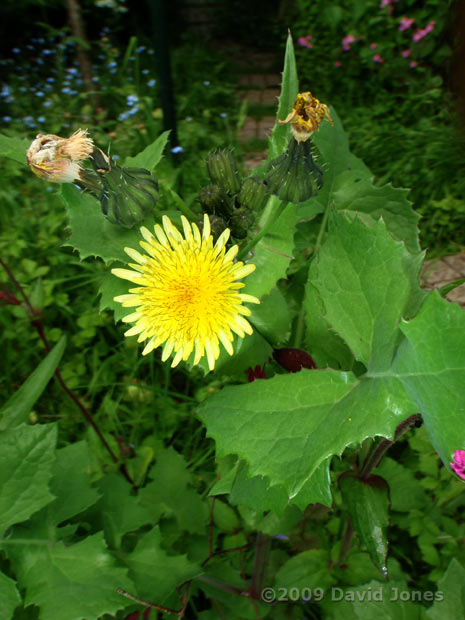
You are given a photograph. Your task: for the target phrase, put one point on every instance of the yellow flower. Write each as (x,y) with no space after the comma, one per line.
(57,159)
(306,116)
(187,297)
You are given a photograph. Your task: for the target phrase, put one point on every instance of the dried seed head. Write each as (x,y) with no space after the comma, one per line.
(306,116)
(57,159)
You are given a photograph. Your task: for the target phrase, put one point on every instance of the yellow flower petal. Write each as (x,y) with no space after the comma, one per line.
(187,296)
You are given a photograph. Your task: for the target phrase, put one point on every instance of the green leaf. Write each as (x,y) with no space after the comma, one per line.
(272,317)
(119,509)
(110,287)
(367,501)
(363,280)
(372,600)
(14,148)
(340,164)
(71,483)
(71,582)
(431,365)
(17,408)
(404,491)
(169,493)
(91,233)
(305,571)
(150,156)
(450,596)
(285,427)
(273,252)
(9,597)
(155,573)
(289,92)
(249,352)
(372,203)
(27,454)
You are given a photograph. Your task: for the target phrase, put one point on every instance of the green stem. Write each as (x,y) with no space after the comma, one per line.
(322,230)
(266,227)
(299,331)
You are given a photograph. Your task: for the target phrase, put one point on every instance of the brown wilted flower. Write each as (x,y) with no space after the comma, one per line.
(57,159)
(306,116)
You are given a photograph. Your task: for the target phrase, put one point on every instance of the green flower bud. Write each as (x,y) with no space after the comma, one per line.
(213,199)
(128,195)
(254,194)
(294,176)
(241,222)
(222,171)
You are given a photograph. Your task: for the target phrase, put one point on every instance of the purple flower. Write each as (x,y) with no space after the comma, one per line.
(459,463)
(406,53)
(373,46)
(405,23)
(413,64)
(306,41)
(377,58)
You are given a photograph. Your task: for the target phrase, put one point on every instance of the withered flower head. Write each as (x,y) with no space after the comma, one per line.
(306,116)
(57,159)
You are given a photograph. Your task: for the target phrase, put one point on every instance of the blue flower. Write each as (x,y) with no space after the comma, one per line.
(72,71)
(50,80)
(112,65)
(145,71)
(223,114)
(206,83)
(188,119)
(39,93)
(151,83)
(132,99)
(47,104)
(140,49)
(177,149)
(47,52)
(6,119)
(16,50)
(116,157)
(41,119)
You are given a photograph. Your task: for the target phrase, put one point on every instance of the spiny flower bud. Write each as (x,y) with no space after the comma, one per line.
(56,159)
(128,195)
(254,194)
(306,116)
(222,171)
(241,222)
(213,199)
(294,176)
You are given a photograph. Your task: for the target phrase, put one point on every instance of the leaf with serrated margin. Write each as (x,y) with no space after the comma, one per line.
(91,233)
(450,596)
(430,362)
(71,582)
(150,156)
(155,573)
(27,455)
(372,203)
(366,283)
(285,427)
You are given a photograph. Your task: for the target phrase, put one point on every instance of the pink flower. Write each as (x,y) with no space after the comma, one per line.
(377,58)
(406,53)
(337,63)
(305,41)
(459,463)
(422,32)
(413,64)
(405,23)
(346,41)
(373,46)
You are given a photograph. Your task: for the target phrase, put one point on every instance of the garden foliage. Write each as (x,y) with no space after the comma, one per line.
(291,466)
